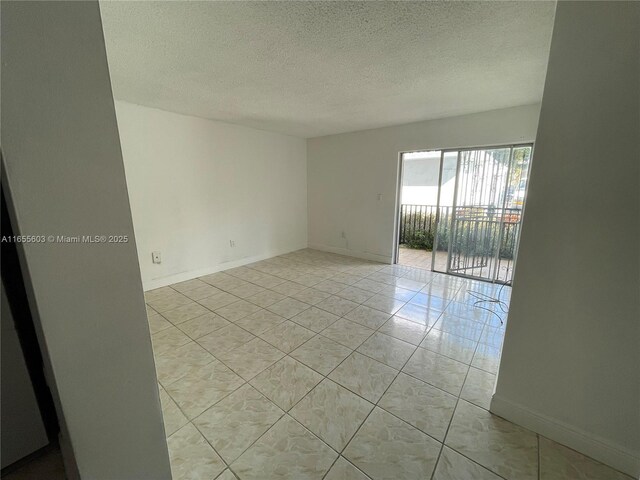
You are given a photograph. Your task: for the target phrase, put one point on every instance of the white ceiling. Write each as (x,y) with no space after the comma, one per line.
(317,68)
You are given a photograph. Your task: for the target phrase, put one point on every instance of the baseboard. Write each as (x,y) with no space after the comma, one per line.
(588,444)
(352,253)
(183,276)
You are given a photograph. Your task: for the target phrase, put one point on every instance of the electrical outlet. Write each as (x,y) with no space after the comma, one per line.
(232,243)
(156,257)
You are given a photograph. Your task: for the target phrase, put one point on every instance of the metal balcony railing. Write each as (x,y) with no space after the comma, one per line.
(476,230)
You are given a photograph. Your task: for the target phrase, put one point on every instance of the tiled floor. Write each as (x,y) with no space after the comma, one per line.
(316,366)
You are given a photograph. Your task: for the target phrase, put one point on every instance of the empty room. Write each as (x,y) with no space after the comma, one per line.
(340,240)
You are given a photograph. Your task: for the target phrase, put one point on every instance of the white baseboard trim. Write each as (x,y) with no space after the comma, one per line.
(352,253)
(181,277)
(588,444)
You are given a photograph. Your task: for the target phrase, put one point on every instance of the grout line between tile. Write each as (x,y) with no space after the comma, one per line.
(316,334)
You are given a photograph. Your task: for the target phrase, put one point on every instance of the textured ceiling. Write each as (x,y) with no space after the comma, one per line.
(317,68)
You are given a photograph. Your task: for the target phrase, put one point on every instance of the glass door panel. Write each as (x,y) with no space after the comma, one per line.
(487,212)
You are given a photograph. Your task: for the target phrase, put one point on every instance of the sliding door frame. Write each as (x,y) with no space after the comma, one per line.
(494,276)
(443,152)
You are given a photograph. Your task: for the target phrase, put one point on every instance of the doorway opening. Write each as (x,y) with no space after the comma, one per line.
(461,210)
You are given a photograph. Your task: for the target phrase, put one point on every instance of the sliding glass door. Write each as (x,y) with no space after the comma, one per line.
(474,227)
(487,211)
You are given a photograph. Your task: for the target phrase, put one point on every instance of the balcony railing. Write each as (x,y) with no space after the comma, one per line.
(477,230)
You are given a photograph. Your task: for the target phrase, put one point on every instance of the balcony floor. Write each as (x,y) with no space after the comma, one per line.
(415,257)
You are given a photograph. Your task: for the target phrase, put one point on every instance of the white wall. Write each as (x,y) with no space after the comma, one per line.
(196,184)
(64,175)
(571,361)
(347,172)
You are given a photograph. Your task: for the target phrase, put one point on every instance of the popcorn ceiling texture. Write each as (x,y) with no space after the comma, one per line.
(317,68)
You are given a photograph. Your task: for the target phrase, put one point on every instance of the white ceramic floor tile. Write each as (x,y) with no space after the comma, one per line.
(157,323)
(419,314)
(222,280)
(364,376)
(245,291)
(286,382)
(385,304)
(315,319)
(168,302)
(202,292)
(347,278)
(288,288)
(173,417)
(437,370)
(331,286)
(266,298)
(367,317)
(344,470)
(158,293)
(168,339)
(431,302)
(453,466)
(499,445)
(286,451)
(355,294)
(309,280)
(188,285)
(268,281)
(311,296)
(464,310)
(321,353)
(337,305)
(287,336)
(251,358)
(347,333)
(289,326)
(449,345)
(260,321)
(201,388)
(409,284)
(225,339)
(176,363)
(237,310)
(396,292)
(461,327)
(405,330)
(388,350)
(192,458)
(227,475)
(332,412)
(492,336)
(369,285)
(289,307)
(386,448)
(218,300)
(234,423)
(202,325)
(184,313)
(478,388)
(418,403)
